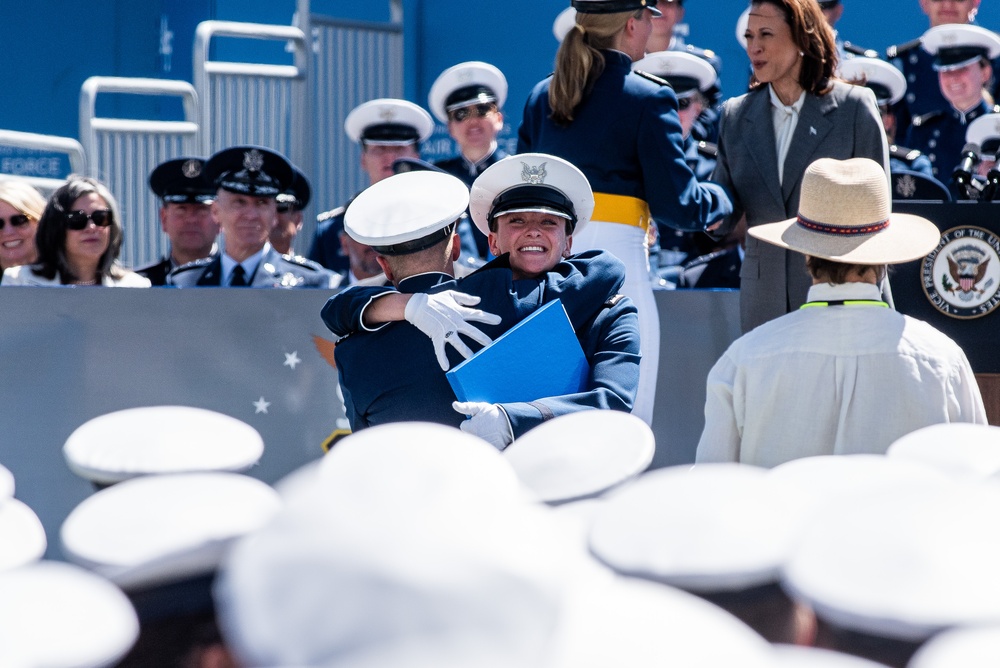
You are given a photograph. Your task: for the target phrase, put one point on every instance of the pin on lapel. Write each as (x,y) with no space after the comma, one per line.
(812,130)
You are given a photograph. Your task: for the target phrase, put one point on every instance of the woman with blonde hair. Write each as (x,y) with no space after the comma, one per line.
(79,238)
(621,129)
(20,208)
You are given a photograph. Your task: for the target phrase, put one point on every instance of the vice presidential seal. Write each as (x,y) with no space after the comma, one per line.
(961,277)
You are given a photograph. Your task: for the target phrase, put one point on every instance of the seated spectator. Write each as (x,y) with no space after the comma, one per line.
(844,373)
(291,203)
(79,239)
(249,180)
(185,215)
(20,208)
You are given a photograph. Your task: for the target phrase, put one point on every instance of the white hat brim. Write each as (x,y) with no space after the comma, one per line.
(907,238)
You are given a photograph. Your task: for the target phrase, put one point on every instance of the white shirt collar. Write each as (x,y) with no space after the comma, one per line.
(824,292)
(776,101)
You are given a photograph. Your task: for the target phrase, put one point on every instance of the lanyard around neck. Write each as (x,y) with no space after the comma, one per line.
(845,302)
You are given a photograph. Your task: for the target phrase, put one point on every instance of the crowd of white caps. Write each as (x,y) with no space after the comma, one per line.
(417,545)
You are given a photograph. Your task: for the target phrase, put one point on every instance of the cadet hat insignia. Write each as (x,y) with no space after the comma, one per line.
(387,114)
(253,160)
(533,175)
(191,169)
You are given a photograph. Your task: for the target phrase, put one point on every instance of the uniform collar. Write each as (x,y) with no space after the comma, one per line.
(249,265)
(966,117)
(424,281)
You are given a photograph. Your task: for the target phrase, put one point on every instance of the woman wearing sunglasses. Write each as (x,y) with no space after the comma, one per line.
(621,129)
(20,208)
(79,237)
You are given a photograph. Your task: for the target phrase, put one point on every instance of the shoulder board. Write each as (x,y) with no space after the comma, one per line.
(614,300)
(196,264)
(652,77)
(300,261)
(860,50)
(708,149)
(897,50)
(903,153)
(332,213)
(925,118)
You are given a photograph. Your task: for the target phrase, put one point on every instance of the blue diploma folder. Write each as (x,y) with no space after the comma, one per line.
(538,357)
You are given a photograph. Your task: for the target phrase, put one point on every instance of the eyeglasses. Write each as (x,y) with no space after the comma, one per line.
(480,110)
(17,220)
(78,220)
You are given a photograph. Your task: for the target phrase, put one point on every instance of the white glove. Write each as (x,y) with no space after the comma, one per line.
(487,421)
(443,316)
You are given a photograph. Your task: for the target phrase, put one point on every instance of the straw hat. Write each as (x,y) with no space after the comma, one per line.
(845,215)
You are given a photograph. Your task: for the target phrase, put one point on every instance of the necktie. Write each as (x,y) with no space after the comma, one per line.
(239,277)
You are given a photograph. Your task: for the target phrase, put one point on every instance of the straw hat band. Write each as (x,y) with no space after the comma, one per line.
(844,215)
(854,230)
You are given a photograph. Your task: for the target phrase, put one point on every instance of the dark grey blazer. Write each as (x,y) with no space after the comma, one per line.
(844,123)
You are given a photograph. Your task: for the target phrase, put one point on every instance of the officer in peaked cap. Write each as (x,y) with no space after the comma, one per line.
(529,206)
(923,94)
(469,99)
(962,55)
(386,129)
(248,181)
(185,215)
(291,202)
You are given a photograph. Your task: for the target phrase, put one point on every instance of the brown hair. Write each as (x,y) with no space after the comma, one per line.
(836,273)
(579,61)
(815,39)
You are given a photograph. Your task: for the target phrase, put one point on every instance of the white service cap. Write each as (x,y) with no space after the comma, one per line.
(581,455)
(388,122)
(712,528)
(407,212)
(465,84)
(60,616)
(160,439)
(531,182)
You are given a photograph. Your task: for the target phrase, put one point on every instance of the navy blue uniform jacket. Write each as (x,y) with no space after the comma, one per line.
(626,138)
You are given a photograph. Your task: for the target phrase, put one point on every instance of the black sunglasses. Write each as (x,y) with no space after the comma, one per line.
(684,102)
(78,220)
(481,111)
(17,220)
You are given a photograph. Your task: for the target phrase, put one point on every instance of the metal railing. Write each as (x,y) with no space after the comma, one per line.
(122,152)
(71,148)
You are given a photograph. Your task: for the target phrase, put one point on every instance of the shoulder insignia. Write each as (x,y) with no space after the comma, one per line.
(332,213)
(925,118)
(903,153)
(613,301)
(708,149)
(898,50)
(860,50)
(196,264)
(652,77)
(300,261)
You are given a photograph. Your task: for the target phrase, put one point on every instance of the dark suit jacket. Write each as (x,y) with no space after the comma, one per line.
(844,123)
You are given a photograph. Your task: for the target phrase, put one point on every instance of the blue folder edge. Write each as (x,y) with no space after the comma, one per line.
(538,357)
